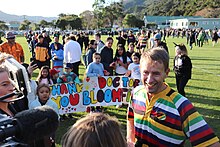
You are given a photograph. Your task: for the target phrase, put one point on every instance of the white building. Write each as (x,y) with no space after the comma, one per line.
(190,23)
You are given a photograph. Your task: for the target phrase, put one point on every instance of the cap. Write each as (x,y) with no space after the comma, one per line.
(68,65)
(9,35)
(157,36)
(53,71)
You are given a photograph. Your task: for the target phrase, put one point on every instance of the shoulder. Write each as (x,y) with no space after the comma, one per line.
(139,89)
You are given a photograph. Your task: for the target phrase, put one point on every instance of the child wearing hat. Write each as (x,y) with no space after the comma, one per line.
(54,74)
(68,76)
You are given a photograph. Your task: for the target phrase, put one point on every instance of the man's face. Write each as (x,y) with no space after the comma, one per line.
(6,86)
(109,43)
(11,40)
(153,75)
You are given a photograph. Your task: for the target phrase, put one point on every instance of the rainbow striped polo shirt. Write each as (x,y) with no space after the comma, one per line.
(167,120)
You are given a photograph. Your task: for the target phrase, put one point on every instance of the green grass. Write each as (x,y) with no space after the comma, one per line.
(202,90)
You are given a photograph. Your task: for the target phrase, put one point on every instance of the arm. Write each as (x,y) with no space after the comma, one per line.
(89,71)
(128,73)
(130,127)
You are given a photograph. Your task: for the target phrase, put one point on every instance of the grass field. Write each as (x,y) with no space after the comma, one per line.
(203,90)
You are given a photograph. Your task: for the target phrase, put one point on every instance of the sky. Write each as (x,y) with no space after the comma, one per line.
(46,8)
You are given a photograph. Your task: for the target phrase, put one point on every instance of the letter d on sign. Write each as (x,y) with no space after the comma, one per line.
(102,82)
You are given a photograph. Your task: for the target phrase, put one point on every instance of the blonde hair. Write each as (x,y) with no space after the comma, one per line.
(94,130)
(156,54)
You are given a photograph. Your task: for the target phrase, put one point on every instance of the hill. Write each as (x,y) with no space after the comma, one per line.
(173,7)
(10,17)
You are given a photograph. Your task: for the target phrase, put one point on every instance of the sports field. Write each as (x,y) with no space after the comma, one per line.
(203,90)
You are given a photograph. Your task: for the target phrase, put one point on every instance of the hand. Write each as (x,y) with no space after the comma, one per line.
(32,67)
(130,144)
(107,73)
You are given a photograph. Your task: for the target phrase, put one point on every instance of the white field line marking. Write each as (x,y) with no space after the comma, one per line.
(207,71)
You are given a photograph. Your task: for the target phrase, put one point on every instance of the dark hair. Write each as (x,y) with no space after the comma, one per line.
(136,54)
(40,36)
(92,42)
(42,85)
(96,54)
(124,55)
(98,35)
(109,38)
(39,78)
(72,37)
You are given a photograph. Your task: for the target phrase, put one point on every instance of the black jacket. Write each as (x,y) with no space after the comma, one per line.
(183,66)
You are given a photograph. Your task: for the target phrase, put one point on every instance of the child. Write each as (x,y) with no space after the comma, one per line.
(96,69)
(44,76)
(43,93)
(91,131)
(130,50)
(68,76)
(121,61)
(54,75)
(182,68)
(134,68)
(57,55)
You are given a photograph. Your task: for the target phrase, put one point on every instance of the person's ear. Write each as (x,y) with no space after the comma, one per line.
(167,72)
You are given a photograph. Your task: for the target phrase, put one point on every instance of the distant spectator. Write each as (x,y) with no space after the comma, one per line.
(42,53)
(90,51)
(72,53)
(100,43)
(57,55)
(107,55)
(13,48)
(159,43)
(182,68)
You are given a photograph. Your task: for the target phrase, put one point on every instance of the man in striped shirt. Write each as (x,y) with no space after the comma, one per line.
(159,116)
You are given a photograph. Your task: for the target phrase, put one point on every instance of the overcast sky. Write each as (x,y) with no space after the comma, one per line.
(47,8)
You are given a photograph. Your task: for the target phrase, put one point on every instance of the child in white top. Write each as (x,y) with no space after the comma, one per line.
(134,68)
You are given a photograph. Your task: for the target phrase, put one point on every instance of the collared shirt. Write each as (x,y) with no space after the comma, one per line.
(168,119)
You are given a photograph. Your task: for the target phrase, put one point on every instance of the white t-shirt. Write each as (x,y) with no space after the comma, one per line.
(72,52)
(135,71)
(120,69)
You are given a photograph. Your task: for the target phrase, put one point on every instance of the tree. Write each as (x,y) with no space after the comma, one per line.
(113,12)
(87,18)
(69,21)
(25,25)
(108,10)
(3,26)
(130,20)
(43,23)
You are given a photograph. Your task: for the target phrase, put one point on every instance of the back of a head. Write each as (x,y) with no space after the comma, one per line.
(94,130)
(156,54)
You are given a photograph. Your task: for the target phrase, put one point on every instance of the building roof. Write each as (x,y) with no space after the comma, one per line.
(166,18)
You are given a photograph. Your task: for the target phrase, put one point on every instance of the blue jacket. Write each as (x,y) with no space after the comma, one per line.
(71,77)
(58,53)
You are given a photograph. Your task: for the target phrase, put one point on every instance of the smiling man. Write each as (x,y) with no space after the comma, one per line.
(159,116)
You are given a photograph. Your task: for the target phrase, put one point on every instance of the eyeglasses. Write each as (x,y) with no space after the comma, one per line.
(95,44)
